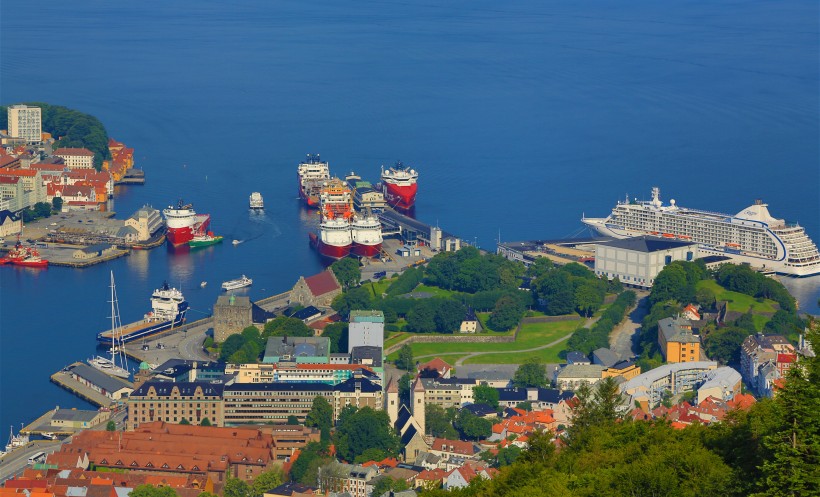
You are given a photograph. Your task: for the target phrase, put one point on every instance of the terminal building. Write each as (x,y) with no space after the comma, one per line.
(637,261)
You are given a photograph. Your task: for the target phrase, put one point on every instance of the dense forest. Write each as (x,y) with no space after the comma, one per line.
(772,449)
(70,128)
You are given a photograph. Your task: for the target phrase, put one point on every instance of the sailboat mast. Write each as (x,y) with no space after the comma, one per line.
(113,324)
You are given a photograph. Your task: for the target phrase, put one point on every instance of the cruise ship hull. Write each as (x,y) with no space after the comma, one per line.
(400,197)
(363,250)
(605,228)
(142,329)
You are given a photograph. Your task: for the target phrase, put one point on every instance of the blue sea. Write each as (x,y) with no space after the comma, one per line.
(520,117)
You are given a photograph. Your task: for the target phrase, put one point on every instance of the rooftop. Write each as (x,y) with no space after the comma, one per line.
(647,244)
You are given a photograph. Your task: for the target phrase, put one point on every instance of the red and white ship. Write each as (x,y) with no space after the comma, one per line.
(24,256)
(184,223)
(399,186)
(336,199)
(367,235)
(311,175)
(334,240)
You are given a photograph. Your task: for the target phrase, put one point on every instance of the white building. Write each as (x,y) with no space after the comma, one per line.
(366,329)
(722,383)
(76,158)
(637,261)
(25,122)
(669,379)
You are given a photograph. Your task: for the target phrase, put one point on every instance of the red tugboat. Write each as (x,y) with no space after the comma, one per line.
(184,223)
(311,175)
(24,256)
(399,186)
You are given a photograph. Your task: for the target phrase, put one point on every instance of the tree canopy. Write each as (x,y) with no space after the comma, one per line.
(532,373)
(366,431)
(347,272)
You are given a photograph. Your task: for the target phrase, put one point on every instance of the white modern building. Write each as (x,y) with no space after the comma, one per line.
(25,122)
(637,261)
(366,329)
(722,383)
(670,379)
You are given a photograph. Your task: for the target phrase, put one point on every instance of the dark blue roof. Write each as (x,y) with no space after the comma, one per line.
(512,394)
(479,409)
(187,388)
(647,243)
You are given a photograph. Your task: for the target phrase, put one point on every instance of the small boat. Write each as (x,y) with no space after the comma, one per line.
(203,284)
(205,240)
(16,441)
(256,201)
(236,242)
(237,283)
(49,435)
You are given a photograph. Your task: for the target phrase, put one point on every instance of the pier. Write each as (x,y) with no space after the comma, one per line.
(132,177)
(92,385)
(415,232)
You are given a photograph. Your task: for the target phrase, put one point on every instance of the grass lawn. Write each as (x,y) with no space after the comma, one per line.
(434,290)
(395,337)
(531,335)
(738,302)
(379,287)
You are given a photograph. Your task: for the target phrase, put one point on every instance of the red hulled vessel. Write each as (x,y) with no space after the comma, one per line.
(399,185)
(367,236)
(184,223)
(24,256)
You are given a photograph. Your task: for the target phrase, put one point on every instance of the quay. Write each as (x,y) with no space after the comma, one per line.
(134,176)
(59,422)
(414,232)
(92,385)
(560,251)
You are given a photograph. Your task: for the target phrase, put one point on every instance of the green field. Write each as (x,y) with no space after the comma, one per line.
(531,335)
(738,302)
(433,290)
(379,287)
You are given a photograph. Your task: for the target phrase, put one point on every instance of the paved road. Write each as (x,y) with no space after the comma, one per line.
(15,461)
(624,338)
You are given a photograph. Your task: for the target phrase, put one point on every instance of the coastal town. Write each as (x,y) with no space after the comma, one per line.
(658,349)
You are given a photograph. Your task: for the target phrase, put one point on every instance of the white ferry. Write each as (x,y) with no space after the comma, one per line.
(256,201)
(237,283)
(751,236)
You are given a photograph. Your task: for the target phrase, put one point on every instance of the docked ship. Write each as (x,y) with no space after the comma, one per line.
(16,441)
(399,185)
(205,240)
(238,283)
(256,202)
(336,200)
(168,309)
(24,256)
(366,232)
(184,223)
(311,176)
(751,236)
(364,195)
(334,240)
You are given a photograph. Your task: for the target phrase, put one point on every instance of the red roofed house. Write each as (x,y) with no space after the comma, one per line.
(317,290)
(438,366)
(784,362)
(691,313)
(461,477)
(430,478)
(452,448)
(76,158)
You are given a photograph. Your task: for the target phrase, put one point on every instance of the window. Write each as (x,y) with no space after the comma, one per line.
(689,255)
(668,259)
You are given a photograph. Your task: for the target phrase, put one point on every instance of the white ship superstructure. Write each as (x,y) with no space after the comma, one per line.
(751,236)
(366,232)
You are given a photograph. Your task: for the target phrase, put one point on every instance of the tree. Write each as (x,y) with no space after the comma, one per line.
(473,427)
(439,422)
(354,299)
(448,316)
(184,421)
(556,290)
(404,389)
(588,298)
(306,468)
(111,426)
(723,344)
(405,359)
(57,204)
(293,420)
(205,422)
(506,314)
(422,318)
(705,297)
(347,272)
(670,284)
(338,334)
(532,373)
(388,484)
(152,491)
(794,443)
(484,394)
(234,487)
(266,481)
(366,429)
(603,406)
(539,267)
(320,414)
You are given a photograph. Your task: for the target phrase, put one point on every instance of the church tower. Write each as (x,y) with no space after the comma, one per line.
(392,402)
(418,404)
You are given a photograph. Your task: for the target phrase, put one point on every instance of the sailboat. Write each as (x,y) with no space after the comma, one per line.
(15,441)
(109,366)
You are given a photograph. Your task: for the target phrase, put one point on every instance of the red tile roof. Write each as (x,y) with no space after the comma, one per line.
(322,283)
(436,364)
(453,446)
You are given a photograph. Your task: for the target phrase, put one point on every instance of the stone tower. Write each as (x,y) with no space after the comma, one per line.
(391,404)
(417,401)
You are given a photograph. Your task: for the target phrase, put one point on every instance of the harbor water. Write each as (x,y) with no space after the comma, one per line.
(520,118)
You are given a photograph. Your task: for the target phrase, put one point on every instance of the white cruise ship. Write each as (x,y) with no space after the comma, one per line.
(751,236)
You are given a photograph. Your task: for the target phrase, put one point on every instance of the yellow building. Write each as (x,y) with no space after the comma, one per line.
(627,369)
(677,341)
